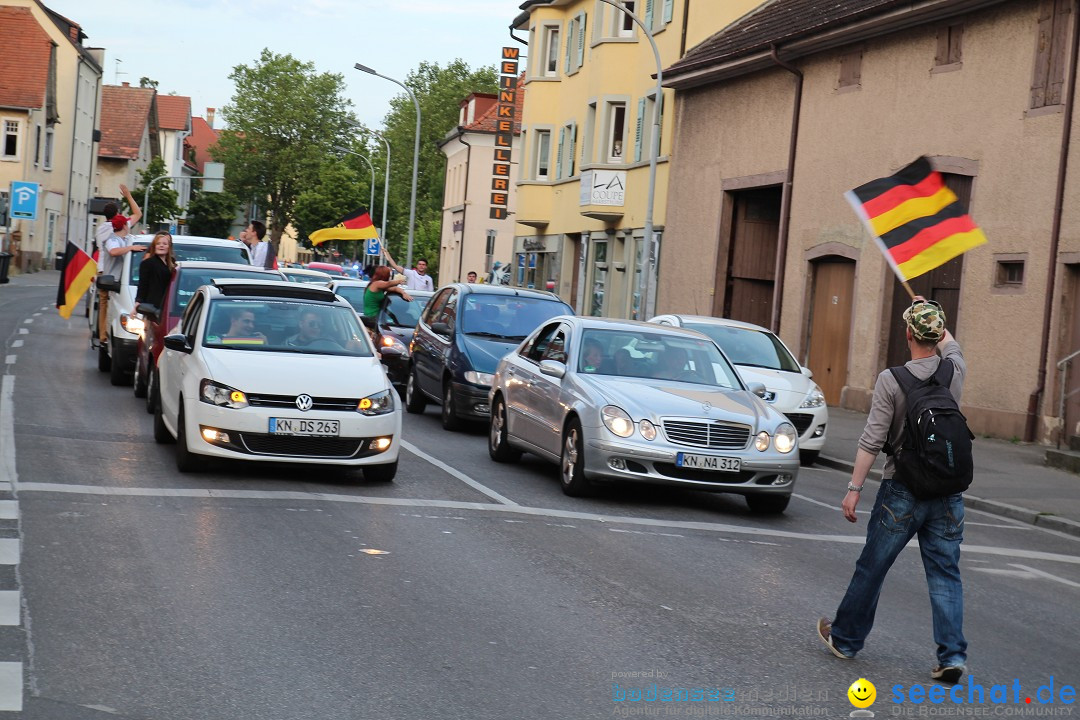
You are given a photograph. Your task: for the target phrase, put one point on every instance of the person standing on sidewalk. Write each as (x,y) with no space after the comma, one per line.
(897,515)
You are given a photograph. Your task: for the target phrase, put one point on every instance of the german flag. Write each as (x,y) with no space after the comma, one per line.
(79,271)
(356,225)
(917,221)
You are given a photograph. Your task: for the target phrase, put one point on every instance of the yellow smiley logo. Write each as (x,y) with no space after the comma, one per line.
(862,693)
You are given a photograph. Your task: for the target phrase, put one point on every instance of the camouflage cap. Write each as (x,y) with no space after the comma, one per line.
(926,320)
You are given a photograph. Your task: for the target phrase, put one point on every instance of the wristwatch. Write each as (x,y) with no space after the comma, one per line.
(854,488)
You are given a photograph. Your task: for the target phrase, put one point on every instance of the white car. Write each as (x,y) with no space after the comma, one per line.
(276,372)
(761,357)
(303,275)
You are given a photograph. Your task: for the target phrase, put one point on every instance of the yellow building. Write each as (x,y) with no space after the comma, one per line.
(587,125)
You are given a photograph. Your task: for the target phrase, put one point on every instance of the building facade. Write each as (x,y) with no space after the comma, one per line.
(130,138)
(587,132)
(782,113)
(175,130)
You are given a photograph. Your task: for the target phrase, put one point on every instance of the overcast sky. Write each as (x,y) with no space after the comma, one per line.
(191,46)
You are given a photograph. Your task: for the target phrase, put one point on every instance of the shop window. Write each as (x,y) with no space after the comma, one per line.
(599,277)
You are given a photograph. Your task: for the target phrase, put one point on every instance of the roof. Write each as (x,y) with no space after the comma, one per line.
(488,289)
(24,62)
(174,112)
(73,32)
(125,111)
(486,122)
(202,138)
(801,27)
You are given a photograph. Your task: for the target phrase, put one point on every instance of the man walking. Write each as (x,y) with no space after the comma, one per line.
(417,279)
(898,515)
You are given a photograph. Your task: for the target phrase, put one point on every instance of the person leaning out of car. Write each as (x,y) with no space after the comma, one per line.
(375,292)
(155,271)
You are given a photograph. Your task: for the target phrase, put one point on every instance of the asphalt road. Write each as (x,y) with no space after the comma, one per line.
(465,589)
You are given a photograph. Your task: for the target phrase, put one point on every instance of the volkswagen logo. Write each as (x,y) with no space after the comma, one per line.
(706,406)
(303,402)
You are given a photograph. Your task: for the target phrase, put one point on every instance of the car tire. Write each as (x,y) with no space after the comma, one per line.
(186,461)
(104,362)
(808,457)
(117,376)
(162,436)
(767,504)
(450,419)
(498,446)
(572,463)
(139,383)
(152,396)
(414,396)
(380,473)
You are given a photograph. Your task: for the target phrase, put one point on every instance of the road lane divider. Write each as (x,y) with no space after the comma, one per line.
(457,473)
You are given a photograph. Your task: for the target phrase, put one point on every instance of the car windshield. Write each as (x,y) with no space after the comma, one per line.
(752,348)
(193,251)
(354,294)
(507,317)
(655,356)
(290,326)
(189,280)
(403,313)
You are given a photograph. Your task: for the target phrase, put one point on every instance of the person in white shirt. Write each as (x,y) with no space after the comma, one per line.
(107,261)
(417,279)
(104,230)
(261,253)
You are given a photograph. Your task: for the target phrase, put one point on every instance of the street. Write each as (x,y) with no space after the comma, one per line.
(465,589)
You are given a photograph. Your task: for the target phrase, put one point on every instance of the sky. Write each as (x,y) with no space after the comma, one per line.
(191,46)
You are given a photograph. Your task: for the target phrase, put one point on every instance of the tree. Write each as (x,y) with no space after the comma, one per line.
(337,192)
(163,199)
(282,120)
(211,214)
(145,82)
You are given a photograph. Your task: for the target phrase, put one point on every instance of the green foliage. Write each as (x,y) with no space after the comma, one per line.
(282,120)
(145,82)
(335,193)
(163,199)
(211,214)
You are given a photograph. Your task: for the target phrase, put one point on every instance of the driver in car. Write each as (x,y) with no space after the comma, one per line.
(311,331)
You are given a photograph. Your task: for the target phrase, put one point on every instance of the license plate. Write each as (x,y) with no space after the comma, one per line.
(311,428)
(708,462)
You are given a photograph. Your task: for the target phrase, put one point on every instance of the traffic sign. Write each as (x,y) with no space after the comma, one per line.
(372,247)
(24,200)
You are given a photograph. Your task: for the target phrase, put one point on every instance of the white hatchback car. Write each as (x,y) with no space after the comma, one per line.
(276,372)
(761,357)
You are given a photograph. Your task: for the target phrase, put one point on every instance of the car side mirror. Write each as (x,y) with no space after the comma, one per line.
(756,388)
(440,328)
(554,368)
(807,372)
(390,352)
(108,283)
(150,311)
(178,342)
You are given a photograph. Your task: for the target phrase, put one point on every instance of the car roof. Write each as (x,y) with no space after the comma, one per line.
(305,271)
(723,322)
(349,282)
(214,265)
(487,289)
(190,240)
(602,323)
(238,287)
(421,293)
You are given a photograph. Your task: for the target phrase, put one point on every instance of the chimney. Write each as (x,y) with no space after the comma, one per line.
(210,117)
(126,84)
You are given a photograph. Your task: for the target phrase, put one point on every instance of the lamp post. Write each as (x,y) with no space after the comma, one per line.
(415,160)
(654,142)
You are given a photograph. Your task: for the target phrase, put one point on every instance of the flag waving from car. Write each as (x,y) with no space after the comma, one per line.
(917,222)
(356,225)
(79,271)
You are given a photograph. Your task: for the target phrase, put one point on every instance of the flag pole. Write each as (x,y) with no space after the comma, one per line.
(908,288)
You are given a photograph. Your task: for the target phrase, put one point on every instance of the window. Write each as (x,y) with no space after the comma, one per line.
(851,69)
(49,136)
(616,132)
(599,277)
(1009,271)
(557,349)
(549,66)
(3,208)
(1053,33)
(587,154)
(542,160)
(10,140)
(565,157)
(535,350)
(574,55)
(37,146)
(623,24)
(949,41)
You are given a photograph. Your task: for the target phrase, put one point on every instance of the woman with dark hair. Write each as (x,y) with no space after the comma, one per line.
(376,290)
(155,270)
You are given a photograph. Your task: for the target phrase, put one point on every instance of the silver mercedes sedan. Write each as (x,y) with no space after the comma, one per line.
(624,400)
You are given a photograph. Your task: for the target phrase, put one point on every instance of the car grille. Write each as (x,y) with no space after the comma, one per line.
(720,478)
(318,403)
(695,433)
(294,446)
(801,421)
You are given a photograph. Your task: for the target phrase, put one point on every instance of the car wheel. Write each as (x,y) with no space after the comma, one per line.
(450,419)
(572,465)
(186,461)
(498,447)
(139,384)
(414,397)
(380,473)
(767,504)
(117,376)
(104,362)
(151,391)
(808,457)
(162,435)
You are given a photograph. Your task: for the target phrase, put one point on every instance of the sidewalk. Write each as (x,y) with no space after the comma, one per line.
(1011,479)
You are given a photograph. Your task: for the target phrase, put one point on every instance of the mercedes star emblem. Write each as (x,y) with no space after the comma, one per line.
(303,402)
(706,406)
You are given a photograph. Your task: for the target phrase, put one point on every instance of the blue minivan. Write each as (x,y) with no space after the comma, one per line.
(464,332)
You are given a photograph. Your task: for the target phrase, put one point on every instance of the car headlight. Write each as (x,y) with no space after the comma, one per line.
(132,324)
(214,393)
(389,341)
(814,399)
(647,429)
(479,378)
(761,441)
(785,438)
(618,421)
(378,404)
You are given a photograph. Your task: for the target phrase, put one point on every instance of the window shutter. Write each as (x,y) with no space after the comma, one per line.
(640,129)
(581,39)
(669,8)
(571,138)
(660,130)
(649,15)
(569,43)
(559,155)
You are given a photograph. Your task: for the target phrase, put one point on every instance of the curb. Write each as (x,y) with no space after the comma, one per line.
(1015,512)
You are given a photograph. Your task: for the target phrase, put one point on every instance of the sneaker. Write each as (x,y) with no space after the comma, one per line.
(824,631)
(949,674)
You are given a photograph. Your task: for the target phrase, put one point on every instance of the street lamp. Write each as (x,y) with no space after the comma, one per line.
(415,159)
(372,167)
(386,181)
(654,141)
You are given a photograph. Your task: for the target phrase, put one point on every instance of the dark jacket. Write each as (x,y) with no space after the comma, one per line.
(154,277)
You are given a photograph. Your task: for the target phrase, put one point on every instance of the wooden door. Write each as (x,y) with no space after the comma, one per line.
(1072,376)
(752,256)
(830,325)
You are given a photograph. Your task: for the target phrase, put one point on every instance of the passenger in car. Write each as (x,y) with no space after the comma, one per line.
(242,327)
(592,357)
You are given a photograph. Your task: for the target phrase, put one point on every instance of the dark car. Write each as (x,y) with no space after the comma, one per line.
(186,280)
(394,328)
(463,333)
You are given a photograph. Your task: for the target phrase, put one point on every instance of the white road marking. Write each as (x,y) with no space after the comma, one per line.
(37,314)
(9,509)
(7,431)
(1002,571)
(221,494)
(16,343)
(825,504)
(457,473)
(10,359)
(9,551)
(27,321)
(1046,575)
(24,331)
(10,607)
(11,686)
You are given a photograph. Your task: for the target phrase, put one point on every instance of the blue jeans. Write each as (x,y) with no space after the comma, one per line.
(897,517)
